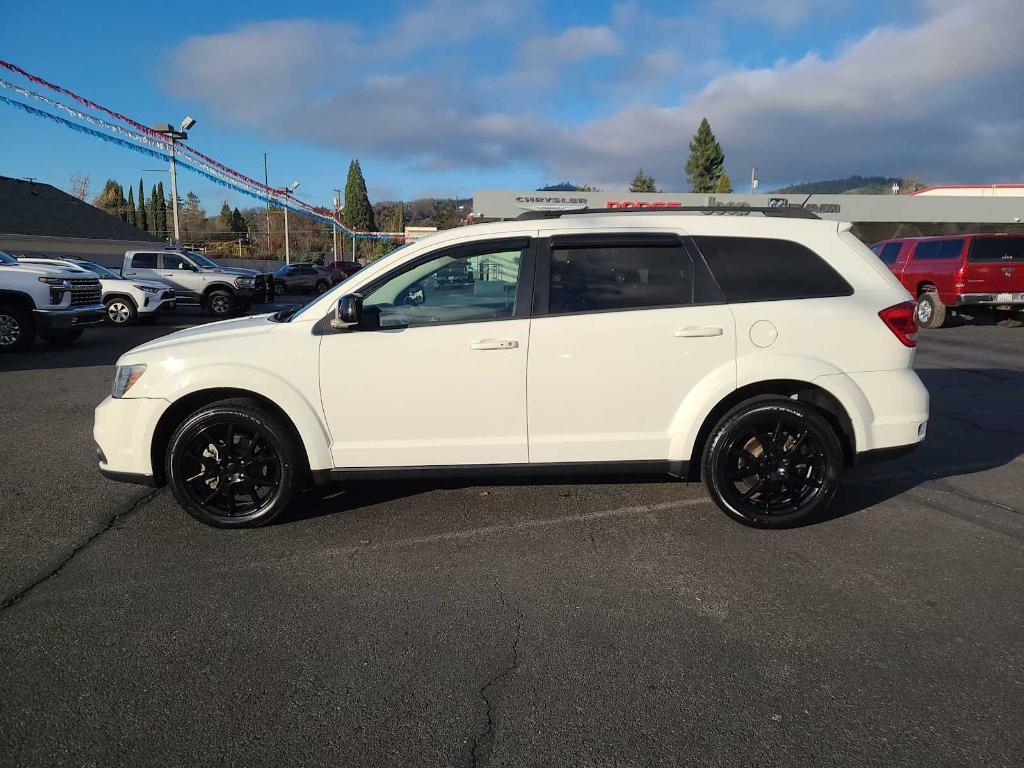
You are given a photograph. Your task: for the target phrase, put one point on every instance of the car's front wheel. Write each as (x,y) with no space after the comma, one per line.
(322,285)
(220,304)
(120,311)
(231,464)
(16,330)
(772,463)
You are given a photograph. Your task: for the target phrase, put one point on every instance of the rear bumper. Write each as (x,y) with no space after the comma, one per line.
(65,319)
(989,299)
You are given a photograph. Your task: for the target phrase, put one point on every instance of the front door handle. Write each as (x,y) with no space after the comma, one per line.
(699,331)
(494,344)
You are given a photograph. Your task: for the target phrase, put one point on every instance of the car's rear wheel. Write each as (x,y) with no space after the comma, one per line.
(120,311)
(772,463)
(16,330)
(220,304)
(233,465)
(931,312)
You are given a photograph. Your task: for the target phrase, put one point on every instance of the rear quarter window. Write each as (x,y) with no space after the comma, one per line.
(934,250)
(890,253)
(766,269)
(997,249)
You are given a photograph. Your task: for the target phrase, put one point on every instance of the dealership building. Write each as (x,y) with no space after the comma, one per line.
(875,216)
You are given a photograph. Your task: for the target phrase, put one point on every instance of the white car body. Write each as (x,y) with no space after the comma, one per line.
(148,297)
(605,388)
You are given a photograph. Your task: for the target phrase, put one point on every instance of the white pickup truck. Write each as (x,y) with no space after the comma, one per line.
(56,303)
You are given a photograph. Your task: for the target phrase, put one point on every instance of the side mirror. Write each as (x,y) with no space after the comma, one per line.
(348,311)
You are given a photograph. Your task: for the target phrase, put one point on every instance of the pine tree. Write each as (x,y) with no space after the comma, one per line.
(154,212)
(224,218)
(707,160)
(142,220)
(133,218)
(400,217)
(642,183)
(358,211)
(161,217)
(122,204)
(238,225)
(724,183)
(108,200)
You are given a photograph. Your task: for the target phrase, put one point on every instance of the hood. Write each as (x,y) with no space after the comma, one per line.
(234,271)
(148,283)
(48,270)
(225,329)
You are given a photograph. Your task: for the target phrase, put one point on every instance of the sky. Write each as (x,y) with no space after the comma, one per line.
(442,97)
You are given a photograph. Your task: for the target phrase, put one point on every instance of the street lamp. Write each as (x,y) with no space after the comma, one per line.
(286,191)
(173,135)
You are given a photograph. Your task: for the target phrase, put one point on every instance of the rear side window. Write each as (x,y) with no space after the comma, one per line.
(592,278)
(939,249)
(989,249)
(764,269)
(144,260)
(890,253)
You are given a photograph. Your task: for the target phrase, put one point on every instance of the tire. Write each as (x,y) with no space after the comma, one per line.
(220,304)
(280,289)
(17,331)
(62,338)
(121,311)
(322,286)
(803,459)
(931,312)
(263,466)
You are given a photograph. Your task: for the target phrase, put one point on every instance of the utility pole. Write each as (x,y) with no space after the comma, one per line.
(334,226)
(174,135)
(266,183)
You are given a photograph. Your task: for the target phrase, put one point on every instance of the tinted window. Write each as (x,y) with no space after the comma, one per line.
(890,253)
(173,261)
(997,249)
(876,248)
(594,278)
(939,249)
(763,269)
(144,260)
(449,289)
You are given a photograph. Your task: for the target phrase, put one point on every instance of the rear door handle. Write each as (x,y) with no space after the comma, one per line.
(494,344)
(699,331)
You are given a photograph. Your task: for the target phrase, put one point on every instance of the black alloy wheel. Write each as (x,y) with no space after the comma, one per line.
(232,465)
(772,463)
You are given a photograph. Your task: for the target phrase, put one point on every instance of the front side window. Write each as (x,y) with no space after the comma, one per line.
(449,289)
(769,269)
(175,262)
(890,253)
(144,260)
(595,278)
(939,249)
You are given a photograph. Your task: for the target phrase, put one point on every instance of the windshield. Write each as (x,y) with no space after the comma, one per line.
(201,260)
(6,258)
(101,271)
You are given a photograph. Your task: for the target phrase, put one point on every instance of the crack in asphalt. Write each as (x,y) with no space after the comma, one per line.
(480,753)
(944,486)
(977,426)
(10,601)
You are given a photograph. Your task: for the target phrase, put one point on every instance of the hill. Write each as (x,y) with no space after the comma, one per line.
(851,185)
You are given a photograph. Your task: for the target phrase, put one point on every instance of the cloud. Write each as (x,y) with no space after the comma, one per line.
(941,98)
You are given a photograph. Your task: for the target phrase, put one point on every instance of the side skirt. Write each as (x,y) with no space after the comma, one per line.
(605,469)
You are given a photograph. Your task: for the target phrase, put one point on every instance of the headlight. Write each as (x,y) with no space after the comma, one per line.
(147,288)
(57,282)
(245,282)
(125,378)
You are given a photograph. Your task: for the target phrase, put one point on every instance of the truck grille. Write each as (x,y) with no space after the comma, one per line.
(85,290)
(167,295)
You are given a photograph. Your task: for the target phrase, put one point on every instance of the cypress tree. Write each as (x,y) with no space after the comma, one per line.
(161,219)
(724,183)
(141,219)
(122,204)
(154,212)
(707,160)
(133,218)
(358,211)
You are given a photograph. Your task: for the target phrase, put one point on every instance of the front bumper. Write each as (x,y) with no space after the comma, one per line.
(123,431)
(989,299)
(66,319)
(164,302)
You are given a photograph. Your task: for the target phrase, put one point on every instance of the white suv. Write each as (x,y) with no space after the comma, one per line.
(764,353)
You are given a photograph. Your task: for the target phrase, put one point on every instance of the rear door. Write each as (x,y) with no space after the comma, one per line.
(996,264)
(624,326)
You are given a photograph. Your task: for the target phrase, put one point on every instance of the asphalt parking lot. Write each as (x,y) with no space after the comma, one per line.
(556,625)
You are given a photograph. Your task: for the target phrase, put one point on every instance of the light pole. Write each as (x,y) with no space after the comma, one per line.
(174,135)
(334,225)
(266,183)
(286,191)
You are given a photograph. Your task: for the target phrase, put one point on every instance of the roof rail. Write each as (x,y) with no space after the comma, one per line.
(785,212)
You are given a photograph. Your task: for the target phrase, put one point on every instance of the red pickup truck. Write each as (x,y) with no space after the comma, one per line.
(974,273)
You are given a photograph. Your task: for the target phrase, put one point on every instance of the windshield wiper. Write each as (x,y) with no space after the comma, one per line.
(283,314)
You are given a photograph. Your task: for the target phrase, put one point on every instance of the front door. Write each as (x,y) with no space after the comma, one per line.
(180,273)
(435,374)
(627,325)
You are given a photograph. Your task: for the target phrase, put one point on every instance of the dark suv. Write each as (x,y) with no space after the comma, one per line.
(302,277)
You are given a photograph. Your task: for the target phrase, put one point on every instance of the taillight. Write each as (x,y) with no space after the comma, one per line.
(901,319)
(960,277)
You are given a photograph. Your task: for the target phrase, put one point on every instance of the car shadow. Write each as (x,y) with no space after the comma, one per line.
(976,424)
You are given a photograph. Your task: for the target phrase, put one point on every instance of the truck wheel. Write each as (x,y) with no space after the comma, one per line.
(220,304)
(16,329)
(233,465)
(772,463)
(120,311)
(322,285)
(62,338)
(931,312)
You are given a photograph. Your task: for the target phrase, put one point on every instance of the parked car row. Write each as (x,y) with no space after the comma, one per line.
(974,273)
(312,278)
